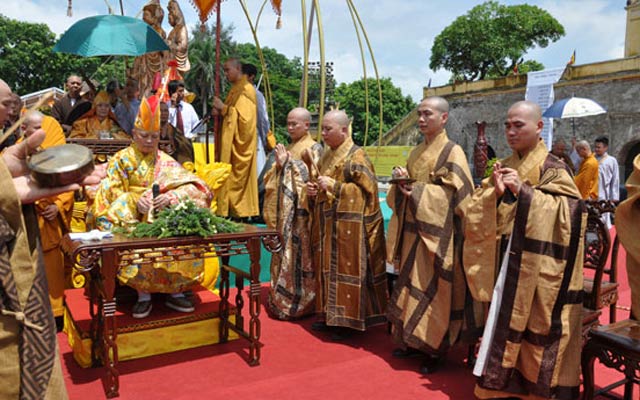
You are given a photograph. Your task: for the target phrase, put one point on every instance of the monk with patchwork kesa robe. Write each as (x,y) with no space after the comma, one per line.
(526,225)
(431,303)
(238,197)
(293,281)
(347,234)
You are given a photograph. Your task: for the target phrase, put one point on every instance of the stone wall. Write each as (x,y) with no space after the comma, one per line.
(614,84)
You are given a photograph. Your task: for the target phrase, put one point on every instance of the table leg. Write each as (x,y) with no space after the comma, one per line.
(588,358)
(107,312)
(223,309)
(254,303)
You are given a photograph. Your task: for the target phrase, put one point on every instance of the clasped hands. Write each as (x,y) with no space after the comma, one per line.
(506,178)
(145,203)
(401,172)
(324,183)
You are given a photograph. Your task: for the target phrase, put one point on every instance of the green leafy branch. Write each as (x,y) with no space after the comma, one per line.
(183,219)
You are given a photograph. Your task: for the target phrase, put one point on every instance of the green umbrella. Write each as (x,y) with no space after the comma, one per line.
(110,35)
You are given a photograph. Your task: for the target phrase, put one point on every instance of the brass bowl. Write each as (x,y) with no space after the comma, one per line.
(61,165)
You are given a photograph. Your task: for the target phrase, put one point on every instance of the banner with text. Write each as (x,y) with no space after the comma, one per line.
(384,158)
(540,91)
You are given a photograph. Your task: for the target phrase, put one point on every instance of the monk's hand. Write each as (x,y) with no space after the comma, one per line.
(15,157)
(497,179)
(98,174)
(218,104)
(326,183)
(312,189)
(50,212)
(161,201)
(511,180)
(282,155)
(144,204)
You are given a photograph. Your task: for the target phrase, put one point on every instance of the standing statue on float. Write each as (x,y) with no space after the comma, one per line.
(178,39)
(147,66)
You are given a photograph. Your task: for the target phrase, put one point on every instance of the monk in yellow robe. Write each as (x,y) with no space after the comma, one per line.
(526,224)
(126,198)
(587,177)
(293,283)
(431,304)
(99,122)
(627,221)
(54,214)
(347,234)
(238,197)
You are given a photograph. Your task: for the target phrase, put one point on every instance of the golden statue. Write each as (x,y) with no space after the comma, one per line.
(146,66)
(178,39)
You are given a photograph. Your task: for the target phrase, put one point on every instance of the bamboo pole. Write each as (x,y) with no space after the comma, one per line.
(323,67)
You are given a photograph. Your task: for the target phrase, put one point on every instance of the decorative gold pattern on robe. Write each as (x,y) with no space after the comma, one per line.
(293,282)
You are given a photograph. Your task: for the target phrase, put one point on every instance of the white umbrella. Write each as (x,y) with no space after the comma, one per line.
(573,107)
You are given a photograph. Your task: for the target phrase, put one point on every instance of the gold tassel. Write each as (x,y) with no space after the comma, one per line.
(69,9)
(203,28)
(279,22)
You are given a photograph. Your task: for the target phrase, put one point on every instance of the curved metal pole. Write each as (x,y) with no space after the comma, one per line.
(375,68)
(217,120)
(306,37)
(364,73)
(265,74)
(323,67)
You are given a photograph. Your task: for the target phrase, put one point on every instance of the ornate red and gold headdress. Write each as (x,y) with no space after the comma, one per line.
(148,118)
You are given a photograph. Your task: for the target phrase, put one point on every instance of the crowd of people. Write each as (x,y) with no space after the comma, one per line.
(470,264)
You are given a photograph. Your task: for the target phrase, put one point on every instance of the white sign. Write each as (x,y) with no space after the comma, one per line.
(540,91)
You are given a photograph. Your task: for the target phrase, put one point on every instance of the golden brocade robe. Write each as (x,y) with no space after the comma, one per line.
(130,175)
(29,358)
(238,197)
(431,303)
(347,238)
(293,282)
(534,241)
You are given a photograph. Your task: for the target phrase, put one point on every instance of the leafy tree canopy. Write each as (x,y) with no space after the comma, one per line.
(351,98)
(491,39)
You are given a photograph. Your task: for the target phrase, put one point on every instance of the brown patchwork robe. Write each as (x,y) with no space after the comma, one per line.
(627,221)
(348,241)
(293,282)
(431,303)
(532,340)
(29,358)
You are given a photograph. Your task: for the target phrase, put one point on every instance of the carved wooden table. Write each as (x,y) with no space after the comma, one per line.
(102,258)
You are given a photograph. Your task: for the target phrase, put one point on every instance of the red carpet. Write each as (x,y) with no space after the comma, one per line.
(297,363)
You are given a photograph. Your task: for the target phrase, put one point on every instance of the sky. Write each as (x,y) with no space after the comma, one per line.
(401,32)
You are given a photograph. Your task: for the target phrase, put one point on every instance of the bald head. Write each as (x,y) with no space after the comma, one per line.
(338,116)
(300,113)
(529,107)
(438,103)
(32,122)
(6,102)
(298,121)
(335,128)
(523,126)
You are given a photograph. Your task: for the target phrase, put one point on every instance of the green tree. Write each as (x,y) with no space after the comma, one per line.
(202,55)
(491,39)
(284,80)
(28,63)
(351,98)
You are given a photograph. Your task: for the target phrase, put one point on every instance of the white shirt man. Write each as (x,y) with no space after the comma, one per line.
(188,116)
(608,177)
